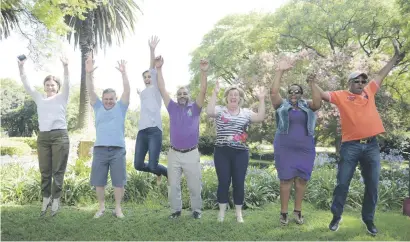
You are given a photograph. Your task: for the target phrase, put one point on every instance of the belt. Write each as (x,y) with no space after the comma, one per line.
(184,150)
(366,140)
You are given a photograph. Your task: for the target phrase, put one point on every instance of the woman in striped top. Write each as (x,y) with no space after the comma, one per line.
(52,141)
(231,154)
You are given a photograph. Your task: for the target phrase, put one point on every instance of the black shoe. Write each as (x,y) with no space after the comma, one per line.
(334,224)
(175,215)
(371,228)
(196,215)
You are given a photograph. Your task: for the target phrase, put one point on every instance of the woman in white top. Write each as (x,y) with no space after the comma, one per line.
(52,142)
(231,156)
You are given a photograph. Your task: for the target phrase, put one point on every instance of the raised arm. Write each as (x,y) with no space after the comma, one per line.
(66,84)
(316,102)
(159,61)
(398,56)
(204,65)
(210,109)
(260,115)
(152,45)
(323,95)
(125,97)
(275,96)
(89,79)
(29,88)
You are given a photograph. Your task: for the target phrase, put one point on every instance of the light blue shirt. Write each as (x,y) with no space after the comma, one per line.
(151,101)
(110,124)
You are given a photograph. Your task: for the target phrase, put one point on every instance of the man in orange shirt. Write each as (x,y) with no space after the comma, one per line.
(361,123)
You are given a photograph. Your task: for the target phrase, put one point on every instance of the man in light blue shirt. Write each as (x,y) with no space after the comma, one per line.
(149,138)
(109,147)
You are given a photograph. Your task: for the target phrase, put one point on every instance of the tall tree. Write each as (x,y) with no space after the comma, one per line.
(107,23)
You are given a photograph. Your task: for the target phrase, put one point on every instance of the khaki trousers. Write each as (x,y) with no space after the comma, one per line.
(189,164)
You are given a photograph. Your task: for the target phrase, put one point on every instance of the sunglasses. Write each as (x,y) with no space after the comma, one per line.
(357,81)
(295,92)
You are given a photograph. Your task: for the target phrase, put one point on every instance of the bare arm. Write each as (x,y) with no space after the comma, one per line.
(275,96)
(125,97)
(204,73)
(159,61)
(260,115)
(89,79)
(398,56)
(210,109)
(316,102)
(283,65)
(152,45)
(324,95)
(66,84)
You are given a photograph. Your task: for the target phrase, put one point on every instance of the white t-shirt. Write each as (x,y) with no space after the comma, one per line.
(51,111)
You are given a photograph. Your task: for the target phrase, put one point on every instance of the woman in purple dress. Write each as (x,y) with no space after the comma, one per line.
(294,144)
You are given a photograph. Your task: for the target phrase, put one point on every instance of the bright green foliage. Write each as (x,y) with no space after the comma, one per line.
(10,147)
(50,13)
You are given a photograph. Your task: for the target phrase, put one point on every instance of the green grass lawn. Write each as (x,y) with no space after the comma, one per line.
(150,222)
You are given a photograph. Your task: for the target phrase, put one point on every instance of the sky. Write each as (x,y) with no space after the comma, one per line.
(179,24)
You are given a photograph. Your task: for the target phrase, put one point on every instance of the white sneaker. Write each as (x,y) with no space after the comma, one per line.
(44,207)
(55,206)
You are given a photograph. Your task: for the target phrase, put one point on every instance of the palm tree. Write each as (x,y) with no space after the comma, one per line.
(100,27)
(9,18)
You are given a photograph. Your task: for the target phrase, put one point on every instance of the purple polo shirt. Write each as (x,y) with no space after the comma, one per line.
(184,124)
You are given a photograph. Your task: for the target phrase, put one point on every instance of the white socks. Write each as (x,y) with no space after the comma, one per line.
(55,204)
(222,209)
(238,211)
(46,202)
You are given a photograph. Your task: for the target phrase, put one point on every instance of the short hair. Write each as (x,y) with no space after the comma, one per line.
(109,90)
(241,94)
(183,87)
(52,78)
(147,71)
(297,85)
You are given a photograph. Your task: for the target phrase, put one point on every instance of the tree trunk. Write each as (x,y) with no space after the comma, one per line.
(87,44)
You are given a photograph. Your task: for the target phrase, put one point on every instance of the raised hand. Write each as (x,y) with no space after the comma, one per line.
(204,65)
(64,60)
(284,64)
(399,55)
(260,92)
(121,66)
(89,64)
(21,63)
(311,78)
(153,42)
(159,61)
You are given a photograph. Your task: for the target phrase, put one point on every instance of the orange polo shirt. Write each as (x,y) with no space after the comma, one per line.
(359,117)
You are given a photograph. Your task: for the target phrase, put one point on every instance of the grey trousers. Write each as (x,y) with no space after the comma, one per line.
(190,165)
(52,149)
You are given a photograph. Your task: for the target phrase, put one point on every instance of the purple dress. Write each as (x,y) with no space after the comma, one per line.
(295,152)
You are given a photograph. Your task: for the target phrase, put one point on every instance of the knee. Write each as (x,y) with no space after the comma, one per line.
(138,165)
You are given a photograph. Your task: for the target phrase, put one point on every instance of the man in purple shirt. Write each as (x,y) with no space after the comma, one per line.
(183,156)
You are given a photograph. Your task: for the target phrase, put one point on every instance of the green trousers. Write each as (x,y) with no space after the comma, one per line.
(52,149)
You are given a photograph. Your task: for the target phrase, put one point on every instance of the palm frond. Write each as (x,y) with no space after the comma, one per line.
(112,21)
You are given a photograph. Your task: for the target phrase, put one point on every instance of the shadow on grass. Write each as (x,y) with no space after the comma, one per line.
(142,223)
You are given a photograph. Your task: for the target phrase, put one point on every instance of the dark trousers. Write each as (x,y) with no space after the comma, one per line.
(231,164)
(52,149)
(149,140)
(368,155)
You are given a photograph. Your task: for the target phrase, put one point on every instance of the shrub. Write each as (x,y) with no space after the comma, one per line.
(166,144)
(10,147)
(206,144)
(31,141)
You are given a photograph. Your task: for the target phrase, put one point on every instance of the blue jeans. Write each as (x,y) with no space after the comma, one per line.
(149,140)
(231,164)
(368,155)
